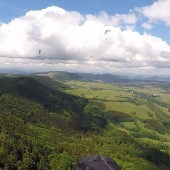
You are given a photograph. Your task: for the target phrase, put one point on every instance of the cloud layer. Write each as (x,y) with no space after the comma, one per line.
(71,41)
(158,11)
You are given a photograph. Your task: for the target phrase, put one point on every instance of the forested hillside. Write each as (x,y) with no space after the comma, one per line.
(42,127)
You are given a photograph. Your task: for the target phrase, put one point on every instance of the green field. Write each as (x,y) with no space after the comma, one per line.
(142,103)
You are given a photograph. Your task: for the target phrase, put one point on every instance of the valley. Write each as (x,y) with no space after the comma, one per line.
(47,123)
(150,113)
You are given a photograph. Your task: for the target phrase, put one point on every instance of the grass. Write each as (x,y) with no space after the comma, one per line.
(163,95)
(91,85)
(151,140)
(165,110)
(128,125)
(100,91)
(126,107)
(127,99)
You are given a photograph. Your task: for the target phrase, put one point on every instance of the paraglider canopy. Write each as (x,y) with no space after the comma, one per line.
(97,163)
(107,31)
(39,52)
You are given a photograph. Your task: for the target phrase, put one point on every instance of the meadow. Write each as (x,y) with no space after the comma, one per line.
(146,104)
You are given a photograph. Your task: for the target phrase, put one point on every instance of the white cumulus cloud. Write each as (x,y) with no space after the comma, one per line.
(147,25)
(158,11)
(70,40)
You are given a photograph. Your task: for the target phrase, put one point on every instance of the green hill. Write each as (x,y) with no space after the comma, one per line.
(51,100)
(50,82)
(62,76)
(33,89)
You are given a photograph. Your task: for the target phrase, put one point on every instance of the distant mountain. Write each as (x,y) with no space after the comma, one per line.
(103,77)
(152,78)
(9,71)
(62,76)
(110,78)
(157,78)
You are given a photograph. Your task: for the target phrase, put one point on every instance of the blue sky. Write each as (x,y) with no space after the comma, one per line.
(138,40)
(11,9)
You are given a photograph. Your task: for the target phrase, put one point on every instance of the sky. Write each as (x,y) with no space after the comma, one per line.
(94,36)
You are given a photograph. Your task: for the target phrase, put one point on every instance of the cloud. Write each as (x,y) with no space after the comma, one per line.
(158,11)
(147,25)
(70,40)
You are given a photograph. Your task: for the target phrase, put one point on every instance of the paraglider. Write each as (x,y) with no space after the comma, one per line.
(107,31)
(39,52)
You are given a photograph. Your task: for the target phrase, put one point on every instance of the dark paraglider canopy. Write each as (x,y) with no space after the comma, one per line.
(107,31)
(97,163)
(39,52)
